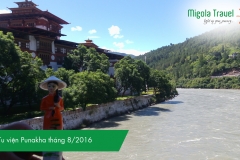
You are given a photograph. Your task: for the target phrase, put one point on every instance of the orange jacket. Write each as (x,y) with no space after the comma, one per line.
(52,122)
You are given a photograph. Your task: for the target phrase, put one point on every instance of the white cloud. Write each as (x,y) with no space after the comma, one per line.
(4,11)
(118,36)
(127,51)
(92,31)
(92,37)
(114,30)
(119,45)
(132,51)
(77,28)
(128,41)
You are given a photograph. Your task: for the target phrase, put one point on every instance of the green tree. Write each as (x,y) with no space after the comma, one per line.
(127,76)
(89,88)
(199,56)
(61,73)
(75,59)
(163,89)
(86,59)
(19,73)
(144,71)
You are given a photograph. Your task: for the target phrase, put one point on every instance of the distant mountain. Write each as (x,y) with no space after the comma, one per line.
(124,54)
(201,56)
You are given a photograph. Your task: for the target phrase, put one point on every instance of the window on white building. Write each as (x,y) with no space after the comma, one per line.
(37,44)
(27,45)
(63,50)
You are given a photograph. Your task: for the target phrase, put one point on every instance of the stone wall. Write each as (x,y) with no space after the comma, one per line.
(75,119)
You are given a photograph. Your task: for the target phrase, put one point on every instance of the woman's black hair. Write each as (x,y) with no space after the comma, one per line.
(56,98)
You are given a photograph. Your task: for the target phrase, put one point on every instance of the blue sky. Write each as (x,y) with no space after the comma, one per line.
(133,26)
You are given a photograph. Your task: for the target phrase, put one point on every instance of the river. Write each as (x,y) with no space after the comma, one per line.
(199,124)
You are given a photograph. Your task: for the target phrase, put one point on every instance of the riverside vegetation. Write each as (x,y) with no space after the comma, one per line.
(21,75)
(195,62)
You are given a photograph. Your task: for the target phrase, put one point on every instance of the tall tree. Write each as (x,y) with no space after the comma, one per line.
(19,73)
(89,87)
(75,59)
(161,85)
(127,75)
(144,71)
(61,73)
(86,59)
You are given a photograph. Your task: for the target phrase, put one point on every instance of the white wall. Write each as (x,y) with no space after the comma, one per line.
(41,27)
(44,67)
(53,47)
(33,43)
(111,70)
(54,65)
(74,119)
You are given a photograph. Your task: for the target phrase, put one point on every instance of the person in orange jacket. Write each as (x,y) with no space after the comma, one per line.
(52,104)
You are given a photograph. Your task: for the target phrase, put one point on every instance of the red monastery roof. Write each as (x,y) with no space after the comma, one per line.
(29,3)
(37,31)
(89,43)
(29,9)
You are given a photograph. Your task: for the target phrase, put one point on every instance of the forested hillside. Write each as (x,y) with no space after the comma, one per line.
(193,62)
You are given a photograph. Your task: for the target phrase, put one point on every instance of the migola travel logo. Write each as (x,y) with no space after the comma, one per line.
(218,16)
